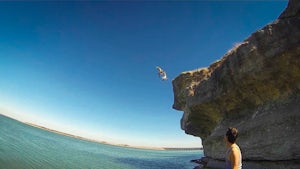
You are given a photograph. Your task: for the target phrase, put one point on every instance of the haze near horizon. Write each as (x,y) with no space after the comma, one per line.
(88,68)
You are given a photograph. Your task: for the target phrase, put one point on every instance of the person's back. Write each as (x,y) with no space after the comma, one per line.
(233,159)
(238,164)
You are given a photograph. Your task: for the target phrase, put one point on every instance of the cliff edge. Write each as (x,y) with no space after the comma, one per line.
(254,87)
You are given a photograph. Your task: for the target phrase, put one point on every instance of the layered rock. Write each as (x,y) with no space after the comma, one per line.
(254,87)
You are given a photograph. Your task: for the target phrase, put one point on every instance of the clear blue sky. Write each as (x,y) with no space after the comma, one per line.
(88,68)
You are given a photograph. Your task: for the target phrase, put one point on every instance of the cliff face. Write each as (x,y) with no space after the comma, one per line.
(254,87)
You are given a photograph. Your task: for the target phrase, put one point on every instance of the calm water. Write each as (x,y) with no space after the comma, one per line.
(23,147)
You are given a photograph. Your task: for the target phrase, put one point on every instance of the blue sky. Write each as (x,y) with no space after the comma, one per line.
(88,68)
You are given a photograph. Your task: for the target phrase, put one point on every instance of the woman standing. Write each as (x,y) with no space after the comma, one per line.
(233,154)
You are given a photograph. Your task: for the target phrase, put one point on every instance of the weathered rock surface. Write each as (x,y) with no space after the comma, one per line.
(254,87)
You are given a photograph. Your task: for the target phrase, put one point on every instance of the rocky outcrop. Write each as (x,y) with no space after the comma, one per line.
(254,87)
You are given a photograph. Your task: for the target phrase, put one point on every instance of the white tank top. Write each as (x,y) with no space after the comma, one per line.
(228,162)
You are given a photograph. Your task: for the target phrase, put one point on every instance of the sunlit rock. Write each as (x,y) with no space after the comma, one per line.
(254,87)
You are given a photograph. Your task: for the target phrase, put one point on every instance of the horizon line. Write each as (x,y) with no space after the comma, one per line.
(98,141)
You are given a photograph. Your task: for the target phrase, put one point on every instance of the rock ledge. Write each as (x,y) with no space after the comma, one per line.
(254,87)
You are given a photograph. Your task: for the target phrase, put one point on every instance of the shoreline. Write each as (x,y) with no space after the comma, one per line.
(107,143)
(103,142)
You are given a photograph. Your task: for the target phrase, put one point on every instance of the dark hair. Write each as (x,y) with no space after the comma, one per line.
(232,134)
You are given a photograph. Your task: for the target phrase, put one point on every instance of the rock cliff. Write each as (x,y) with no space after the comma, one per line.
(254,87)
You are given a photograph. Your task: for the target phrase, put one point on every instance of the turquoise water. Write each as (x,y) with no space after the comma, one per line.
(27,147)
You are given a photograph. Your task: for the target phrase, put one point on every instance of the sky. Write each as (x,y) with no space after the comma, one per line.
(88,67)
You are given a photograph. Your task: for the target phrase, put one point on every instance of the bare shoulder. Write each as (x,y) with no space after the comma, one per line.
(235,151)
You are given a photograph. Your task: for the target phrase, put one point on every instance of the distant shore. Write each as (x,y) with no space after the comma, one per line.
(103,142)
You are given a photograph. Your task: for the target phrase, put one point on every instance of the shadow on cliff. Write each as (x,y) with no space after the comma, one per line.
(255,87)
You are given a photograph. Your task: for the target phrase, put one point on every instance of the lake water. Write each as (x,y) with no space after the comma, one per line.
(26,147)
